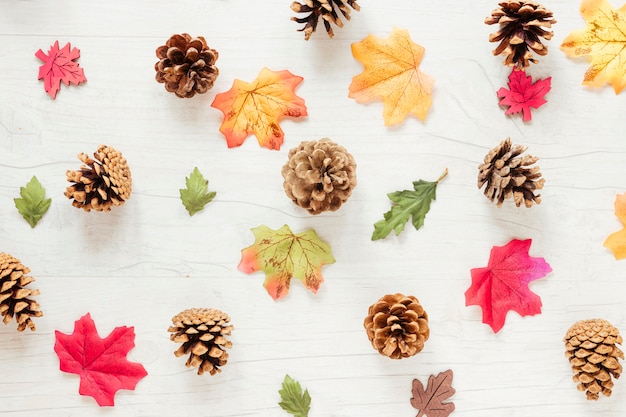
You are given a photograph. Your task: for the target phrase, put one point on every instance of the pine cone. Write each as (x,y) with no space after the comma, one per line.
(507,174)
(202,332)
(521,29)
(186,65)
(590,346)
(319,176)
(102,182)
(397,326)
(13,295)
(324,9)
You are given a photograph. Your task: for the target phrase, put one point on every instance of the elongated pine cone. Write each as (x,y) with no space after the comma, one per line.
(590,346)
(397,326)
(14,299)
(324,9)
(507,174)
(102,182)
(186,65)
(319,176)
(522,24)
(202,332)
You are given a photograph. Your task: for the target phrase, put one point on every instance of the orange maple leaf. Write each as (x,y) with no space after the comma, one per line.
(255,108)
(616,242)
(603,42)
(391,73)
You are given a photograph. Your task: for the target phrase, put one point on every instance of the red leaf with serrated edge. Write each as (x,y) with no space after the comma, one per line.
(503,284)
(100,363)
(59,66)
(523,94)
(430,401)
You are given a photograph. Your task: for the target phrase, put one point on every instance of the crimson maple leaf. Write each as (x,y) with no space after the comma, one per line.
(523,93)
(101,363)
(59,66)
(503,284)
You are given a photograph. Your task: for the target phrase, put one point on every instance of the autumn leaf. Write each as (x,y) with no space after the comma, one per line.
(197,194)
(616,242)
(523,93)
(256,108)
(294,401)
(603,42)
(283,255)
(503,284)
(59,66)
(430,401)
(391,73)
(32,204)
(100,363)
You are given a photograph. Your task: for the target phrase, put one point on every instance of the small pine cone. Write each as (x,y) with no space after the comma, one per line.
(186,65)
(590,346)
(319,176)
(325,9)
(507,174)
(13,295)
(397,326)
(202,332)
(101,183)
(521,29)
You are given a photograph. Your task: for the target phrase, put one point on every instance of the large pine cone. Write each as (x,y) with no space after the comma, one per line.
(103,182)
(319,176)
(521,29)
(14,299)
(186,65)
(507,174)
(202,332)
(324,9)
(397,326)
(590,346)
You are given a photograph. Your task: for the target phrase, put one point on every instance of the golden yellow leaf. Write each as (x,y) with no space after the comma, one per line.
(616,242)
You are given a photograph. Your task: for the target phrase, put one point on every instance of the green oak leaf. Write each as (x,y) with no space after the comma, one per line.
(33,203)
(294,401)
(407,203)
(197,194)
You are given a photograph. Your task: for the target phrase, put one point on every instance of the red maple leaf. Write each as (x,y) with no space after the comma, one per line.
(101,363)
(503,284)
(523,94)
(59,66)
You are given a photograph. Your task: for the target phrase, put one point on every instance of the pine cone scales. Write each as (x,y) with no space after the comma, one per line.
(590,346)
(324,9)
(14,301)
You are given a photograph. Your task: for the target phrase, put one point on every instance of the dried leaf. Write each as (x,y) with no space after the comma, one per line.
(294,401)
(33,203)
(391,73)
(430,401)
(616,242)
(197,194)
(59,66)
(523,93)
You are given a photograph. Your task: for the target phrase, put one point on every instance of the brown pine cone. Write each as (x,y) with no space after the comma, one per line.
(324,9)
(521,29)
(102,182)
(186,65)
(13,295)
(397,326)
(319,176)
(202,332)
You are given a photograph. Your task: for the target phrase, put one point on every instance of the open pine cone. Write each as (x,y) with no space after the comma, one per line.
(397,326)
(324,9)
(202,332)
(14,299)
(522,25)
(102,182)
(186,65)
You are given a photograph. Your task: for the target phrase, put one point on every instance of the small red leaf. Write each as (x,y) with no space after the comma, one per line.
(523,94)
(59,66)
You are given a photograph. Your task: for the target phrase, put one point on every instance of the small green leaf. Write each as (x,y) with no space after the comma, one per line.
(406,204)
(33,204)
(293,400)
(197,194)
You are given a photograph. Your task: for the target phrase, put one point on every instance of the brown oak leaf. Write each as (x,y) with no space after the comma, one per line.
(430,401)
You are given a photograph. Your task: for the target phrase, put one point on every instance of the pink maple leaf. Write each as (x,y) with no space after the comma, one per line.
(523,93)
(59,66)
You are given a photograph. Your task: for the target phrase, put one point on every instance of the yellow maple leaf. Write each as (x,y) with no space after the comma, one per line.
(603,42)
(391,73)
(616,242)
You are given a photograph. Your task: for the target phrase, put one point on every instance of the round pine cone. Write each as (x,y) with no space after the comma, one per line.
(397,326)
(590,346)
(13,295)
(202,332)
(186,65)
(324,9)
(319,176)
(102,182)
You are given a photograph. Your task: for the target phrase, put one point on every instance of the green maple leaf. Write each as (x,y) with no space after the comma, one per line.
(33,203)
(294,401)
(407,203)
(197,194)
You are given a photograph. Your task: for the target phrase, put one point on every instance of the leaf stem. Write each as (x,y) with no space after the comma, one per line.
(442,176)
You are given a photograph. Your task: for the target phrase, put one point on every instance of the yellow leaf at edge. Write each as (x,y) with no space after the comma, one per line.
(616,242)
